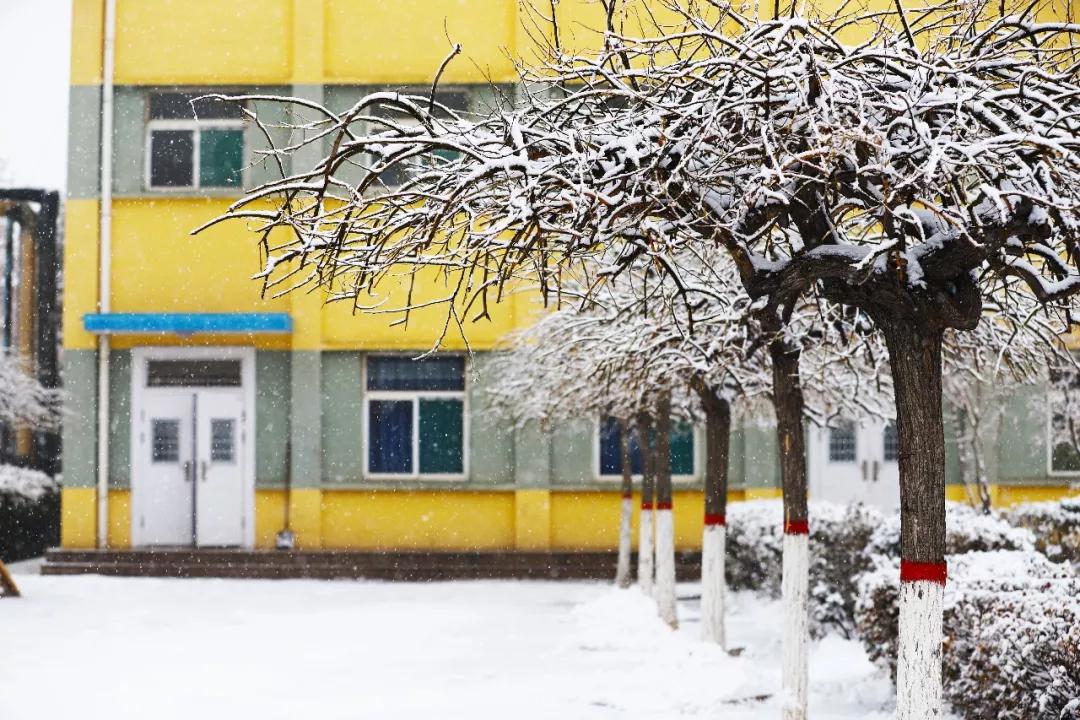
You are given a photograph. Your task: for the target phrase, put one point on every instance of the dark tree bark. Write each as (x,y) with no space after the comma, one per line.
(648,469)
(624,457)
(789,405)
(717,452)
(915,356)
(626,509)
(662,452)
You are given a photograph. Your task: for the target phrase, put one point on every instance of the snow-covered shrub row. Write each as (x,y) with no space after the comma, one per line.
(966,530)
(845,542)
(839,536)
(877,612)
(29,512)
(1012,633)
(1056,526)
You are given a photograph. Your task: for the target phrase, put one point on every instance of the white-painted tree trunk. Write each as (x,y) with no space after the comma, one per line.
(795,589)
(665,566)
(645,551)
(918,670)
(622,569)
(713,585)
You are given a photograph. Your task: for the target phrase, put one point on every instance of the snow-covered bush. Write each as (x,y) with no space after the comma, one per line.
(966,530)
(1056,526)
(29,512)
(1012,633)
(839,536)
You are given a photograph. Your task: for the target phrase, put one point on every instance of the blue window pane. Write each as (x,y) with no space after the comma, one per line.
(611,451)
(390,424)
(404,373)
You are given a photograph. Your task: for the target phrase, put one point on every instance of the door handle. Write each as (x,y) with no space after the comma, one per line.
(864,475)
(202,470)
(187,471)
(877,469)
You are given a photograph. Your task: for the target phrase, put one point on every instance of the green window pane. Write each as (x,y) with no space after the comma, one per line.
(682,450)
(221,157)
(1066,458)
(442,436)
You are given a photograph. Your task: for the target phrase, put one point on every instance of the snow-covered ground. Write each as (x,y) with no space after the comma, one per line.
(94,647)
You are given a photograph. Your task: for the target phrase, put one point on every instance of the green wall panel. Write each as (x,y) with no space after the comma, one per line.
(79,376)
(342,417)
(120,418)
(492,458)
(572,448)
(272,381)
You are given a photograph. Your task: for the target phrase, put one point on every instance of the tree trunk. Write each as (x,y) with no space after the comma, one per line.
(622,569)
(795,584)
(8,588)
(713,550)
(915,356)
(665,525)
(648,488)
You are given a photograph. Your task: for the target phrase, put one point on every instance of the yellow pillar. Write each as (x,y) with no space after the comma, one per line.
(532,519)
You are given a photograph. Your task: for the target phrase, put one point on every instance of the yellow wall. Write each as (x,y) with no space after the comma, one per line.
(422,520)
(199,41)
(449,519)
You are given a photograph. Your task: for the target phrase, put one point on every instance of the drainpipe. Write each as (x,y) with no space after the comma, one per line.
(104,266)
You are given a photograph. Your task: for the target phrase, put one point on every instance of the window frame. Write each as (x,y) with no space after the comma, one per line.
(698,459)
(852,428)
(1072,475)
(415,396)
(195,125)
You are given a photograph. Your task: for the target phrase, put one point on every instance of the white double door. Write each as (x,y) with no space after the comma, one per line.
(191,468)
(855,462)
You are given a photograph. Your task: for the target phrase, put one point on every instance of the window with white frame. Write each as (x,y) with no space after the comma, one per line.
(1064,408)
(609,444)
(193,144)
(415,416)
(842,443)
(457,100)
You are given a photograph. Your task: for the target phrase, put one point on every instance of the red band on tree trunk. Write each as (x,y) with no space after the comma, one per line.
(718,519)
(628,496)
(796,527)
(646,505)
(663,506)
(911,571)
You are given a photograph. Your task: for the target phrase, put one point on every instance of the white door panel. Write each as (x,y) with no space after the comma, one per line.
(165,454)
(855,463)
(220,498)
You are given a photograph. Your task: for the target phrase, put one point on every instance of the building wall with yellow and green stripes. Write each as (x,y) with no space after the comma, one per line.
(529,489)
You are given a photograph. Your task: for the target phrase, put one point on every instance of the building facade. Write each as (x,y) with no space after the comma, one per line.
(213,415)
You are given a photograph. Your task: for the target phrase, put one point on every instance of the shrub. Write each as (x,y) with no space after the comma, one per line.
(966,530)
(838,540)
(29,512)
(1056,526)
(1012,633)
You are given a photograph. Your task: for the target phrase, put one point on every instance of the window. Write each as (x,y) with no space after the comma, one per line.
(165,443)
(842,443)
(222,440)
(610,450)
(892,442)
(193,373)
(456,100)
(416,416)
(193,143)
(1064,407)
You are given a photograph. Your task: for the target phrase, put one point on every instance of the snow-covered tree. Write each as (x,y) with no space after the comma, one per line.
(906,165)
